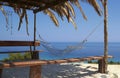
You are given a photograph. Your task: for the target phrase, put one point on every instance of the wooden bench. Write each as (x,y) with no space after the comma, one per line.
(27,51)
(19,43)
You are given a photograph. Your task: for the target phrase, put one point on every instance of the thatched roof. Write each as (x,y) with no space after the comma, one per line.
(35,5)
(63,8)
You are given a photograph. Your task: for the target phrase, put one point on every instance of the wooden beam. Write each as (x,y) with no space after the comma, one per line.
(45,62)
(19,43)
(8,52)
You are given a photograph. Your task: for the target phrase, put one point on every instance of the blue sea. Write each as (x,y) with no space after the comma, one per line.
(89,49)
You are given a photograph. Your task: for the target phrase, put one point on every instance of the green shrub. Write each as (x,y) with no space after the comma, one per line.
(18,57)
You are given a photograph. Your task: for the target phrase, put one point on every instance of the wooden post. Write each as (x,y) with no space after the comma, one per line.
(35,71)
(1,73)
(35,54)
(105,36)
(31,53)
(101,66)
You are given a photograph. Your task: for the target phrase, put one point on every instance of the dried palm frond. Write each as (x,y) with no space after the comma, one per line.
(17,10)
(26,19)
(77,3)
(52,16)
(68,16)
(23,14)
(102,1)
(65,10)
(5,14)
(95,5)
(21,18)
(71,9)
(59,12)
(74,24)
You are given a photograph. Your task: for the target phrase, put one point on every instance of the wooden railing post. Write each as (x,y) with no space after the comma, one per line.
(1,73)
(101,67)
(35,71)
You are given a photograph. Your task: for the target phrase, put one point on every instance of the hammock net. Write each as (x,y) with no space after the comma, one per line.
(55,51)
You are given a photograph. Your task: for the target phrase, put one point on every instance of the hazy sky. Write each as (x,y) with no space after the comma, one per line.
(66,32)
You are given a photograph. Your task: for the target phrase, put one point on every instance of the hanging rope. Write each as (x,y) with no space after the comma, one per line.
(93,30)
(11,22)
(9,18)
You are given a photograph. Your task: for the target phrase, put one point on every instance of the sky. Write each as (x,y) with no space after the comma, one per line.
(66,31)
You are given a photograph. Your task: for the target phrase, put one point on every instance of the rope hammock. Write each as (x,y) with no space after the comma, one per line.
(50,48)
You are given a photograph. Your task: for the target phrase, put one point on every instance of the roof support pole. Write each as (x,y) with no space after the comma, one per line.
(34,29)
(35,55)
(35,71)
(105,36)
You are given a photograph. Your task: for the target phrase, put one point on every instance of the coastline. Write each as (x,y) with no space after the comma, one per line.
(65,70)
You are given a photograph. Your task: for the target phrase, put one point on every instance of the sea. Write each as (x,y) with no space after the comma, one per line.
(88,49)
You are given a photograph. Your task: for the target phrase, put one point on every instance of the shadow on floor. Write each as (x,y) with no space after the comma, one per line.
(52,71)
